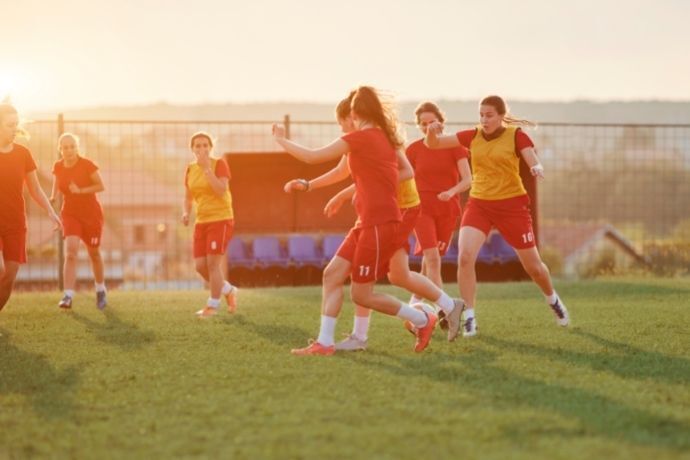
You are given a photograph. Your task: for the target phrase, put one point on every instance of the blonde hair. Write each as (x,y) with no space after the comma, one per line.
(200,134)
(8,109)
(74,137)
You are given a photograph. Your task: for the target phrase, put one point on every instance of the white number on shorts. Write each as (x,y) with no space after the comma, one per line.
(364,270)
(527,237)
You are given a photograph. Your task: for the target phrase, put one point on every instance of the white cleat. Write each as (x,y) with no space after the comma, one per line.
(469,326)
(351,343)
(562,316)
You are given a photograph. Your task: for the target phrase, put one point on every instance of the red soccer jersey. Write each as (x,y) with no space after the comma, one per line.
(374,170)
(522,140)
(14,166)
(435,170)
(79,205)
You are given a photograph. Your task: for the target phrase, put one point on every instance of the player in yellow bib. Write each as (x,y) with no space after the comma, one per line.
(206,187)
(497,199)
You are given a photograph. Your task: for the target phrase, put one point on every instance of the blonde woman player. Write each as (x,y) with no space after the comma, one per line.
(17,167)
(78,180)
(206,187)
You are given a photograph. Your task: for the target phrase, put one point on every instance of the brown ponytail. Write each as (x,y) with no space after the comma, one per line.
(502,109)
(371,106)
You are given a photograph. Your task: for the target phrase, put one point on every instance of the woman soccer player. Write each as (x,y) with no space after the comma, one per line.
(441,175)
(497,199)
(334,279)
(372,244)
(17,167)
(78,180)
(206,186)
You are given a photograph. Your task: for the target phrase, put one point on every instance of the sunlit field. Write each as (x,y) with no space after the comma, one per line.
(146,379)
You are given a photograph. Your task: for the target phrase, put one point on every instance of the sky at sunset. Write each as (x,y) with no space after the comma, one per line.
(77,53)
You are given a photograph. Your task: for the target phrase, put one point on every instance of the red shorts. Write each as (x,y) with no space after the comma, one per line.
(511,217)
(434,232)
(410,217)
(369,250)
(13,245)
(88,231)
(211,238)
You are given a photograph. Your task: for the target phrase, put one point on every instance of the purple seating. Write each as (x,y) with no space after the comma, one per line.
(267,252)
(331,243)
(237,254)
(302,251)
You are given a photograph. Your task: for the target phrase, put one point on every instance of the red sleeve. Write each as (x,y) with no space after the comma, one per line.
(465,137)
(56,165)
(353,139)
(222,168)
(29,163)
(522,140)
(460,152)
(91,167)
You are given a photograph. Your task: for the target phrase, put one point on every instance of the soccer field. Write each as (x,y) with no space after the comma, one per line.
(146,379)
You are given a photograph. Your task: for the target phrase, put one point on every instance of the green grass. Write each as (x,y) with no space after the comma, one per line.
(148,380)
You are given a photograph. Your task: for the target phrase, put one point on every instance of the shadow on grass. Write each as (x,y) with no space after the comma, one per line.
(279,334)
(624,360)
(598,416)
(116,332)
(50,391)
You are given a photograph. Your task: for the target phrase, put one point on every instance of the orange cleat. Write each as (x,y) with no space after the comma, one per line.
(231,298)
(207,312)
(424,333)
(314,348)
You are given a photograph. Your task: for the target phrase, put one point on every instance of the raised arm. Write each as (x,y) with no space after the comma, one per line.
(339,173)
(435,139)
(335,149)
(219,185)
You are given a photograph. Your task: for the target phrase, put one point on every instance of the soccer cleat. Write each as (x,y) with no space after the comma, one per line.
(101,303)
(314,348)
(469,327)
(442,320)
(562,316)
(351,343)
(207,312)
(424,333)
(231,298)
(65,303)
(453,319)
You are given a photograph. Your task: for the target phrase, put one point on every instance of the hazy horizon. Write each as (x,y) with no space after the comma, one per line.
(96,53)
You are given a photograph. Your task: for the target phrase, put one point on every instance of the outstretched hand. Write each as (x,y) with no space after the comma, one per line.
(295,185)
(278,131)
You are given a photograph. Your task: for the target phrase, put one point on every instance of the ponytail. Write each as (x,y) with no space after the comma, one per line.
(502,109)
(373,107)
